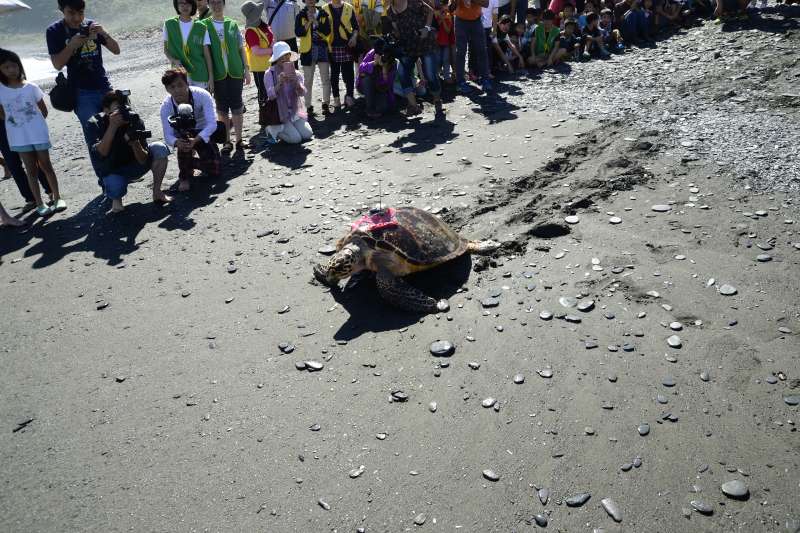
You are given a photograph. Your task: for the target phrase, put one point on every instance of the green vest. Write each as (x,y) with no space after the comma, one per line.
(190,53)
(543,44)
(230,47)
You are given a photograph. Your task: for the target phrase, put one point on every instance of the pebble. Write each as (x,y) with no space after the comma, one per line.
(420,519)
(643,429)
(615,220)
(674,341)
(578,499)
(432,407)
(314,366)
(442,349)
(704,375)
(668,382)
(612,509)
(324,505)
(300,365)
(735,489)
(568,301)
(545,315)
(354,473)
(727,290)
(763,258)
(399,396)
(519,379)
(585,305)
(488,402)
(701,507)
(546,373)
(328,249)
(540,519)
(491,475)
(490,302)
(572,219)
(792,400)
(544,495)
(675,326)
(637,462)
(661,208)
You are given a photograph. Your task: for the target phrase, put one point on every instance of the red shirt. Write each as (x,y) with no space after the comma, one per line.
(251,37)
(446,36)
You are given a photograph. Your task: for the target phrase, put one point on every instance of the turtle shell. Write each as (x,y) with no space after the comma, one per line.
(415,235)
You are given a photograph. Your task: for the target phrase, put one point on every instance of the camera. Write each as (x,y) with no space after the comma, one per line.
(387,47)
(184,122)
(85,29)
(135,130)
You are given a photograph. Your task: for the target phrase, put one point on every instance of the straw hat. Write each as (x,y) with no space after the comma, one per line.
(252,13)
(280,49)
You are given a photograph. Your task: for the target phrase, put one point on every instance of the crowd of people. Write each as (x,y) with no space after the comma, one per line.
(394,53)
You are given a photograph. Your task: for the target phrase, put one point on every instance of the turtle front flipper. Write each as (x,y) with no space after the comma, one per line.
(399,293)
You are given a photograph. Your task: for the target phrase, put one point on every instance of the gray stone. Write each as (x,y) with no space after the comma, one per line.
(615,220)
(490,302)
(491,475)
(637,462)
(704,375)
(674,341)
(300,365)
(727,290)
(612,509)
(540,519)
(545,373)
(328,249)
(585,305)
(488,402)
(668,382)
(322,503)
(643,429)
(578,499)
(763,258)
(675,326)
(442,348)
(572,219)
(354,473)
(626,466)
(661,208)
(791,400)
(701,507)
(432,407)
(314,366)
(519,379)
(568,301)
(545,315)
(544,495)
(420,519)
(735,489)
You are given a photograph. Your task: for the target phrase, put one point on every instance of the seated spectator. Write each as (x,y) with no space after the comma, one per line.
(544,41)
(568,46)
(728,9)
(565,15)
(612,38)
(634,23)
(506,54)
(119,156)
(376,75)
(532,19)
(593,41)
(197,140)
(286,85)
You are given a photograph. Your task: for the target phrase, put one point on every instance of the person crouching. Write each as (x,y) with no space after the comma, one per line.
(191,141)
(285,88)
(120,153)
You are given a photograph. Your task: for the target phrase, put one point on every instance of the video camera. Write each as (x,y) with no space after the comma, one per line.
(85,29)
(183,122)
(135,128)
(387,47)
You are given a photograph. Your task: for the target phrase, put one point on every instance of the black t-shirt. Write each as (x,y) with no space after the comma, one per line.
(569,43)
(592,32)
(85,68)
(120,155)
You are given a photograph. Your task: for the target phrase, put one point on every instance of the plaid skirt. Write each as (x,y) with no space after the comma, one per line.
(341,54)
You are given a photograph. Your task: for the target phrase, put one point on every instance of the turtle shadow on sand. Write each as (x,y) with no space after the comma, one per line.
(369,313)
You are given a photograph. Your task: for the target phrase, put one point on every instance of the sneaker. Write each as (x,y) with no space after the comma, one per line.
(43,211)
(464,88)
(337,103)
(486,86)
(58,206)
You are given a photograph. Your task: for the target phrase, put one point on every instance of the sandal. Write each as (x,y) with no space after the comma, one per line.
(58,206)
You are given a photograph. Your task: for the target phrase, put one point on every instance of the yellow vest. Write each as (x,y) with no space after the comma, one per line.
(372,26)
(257,63)
(345,29)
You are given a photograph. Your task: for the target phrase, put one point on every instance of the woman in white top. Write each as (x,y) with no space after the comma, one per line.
(24,111)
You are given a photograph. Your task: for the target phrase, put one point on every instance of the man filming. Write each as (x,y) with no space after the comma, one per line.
(120,152)
(189,119)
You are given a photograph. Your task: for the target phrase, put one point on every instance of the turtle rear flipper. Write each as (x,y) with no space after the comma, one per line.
(399,293)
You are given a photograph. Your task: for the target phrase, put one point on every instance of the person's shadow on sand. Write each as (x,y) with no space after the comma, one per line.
(370,313)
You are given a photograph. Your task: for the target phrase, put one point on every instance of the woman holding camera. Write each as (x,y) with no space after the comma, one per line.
(285,87)
(376,75)
(410,22)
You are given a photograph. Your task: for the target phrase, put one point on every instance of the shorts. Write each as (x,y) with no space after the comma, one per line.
(32,148)
(228,95)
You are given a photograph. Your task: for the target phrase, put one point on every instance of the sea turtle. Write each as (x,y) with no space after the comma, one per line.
(395,242)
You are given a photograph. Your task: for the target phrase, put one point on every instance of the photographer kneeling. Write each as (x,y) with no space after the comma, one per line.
(120,152)
(376,75)
(189,118)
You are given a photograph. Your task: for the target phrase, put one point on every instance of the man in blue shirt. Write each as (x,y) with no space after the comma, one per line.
(76,43)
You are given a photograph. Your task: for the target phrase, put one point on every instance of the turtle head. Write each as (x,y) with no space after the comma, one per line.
(345,263)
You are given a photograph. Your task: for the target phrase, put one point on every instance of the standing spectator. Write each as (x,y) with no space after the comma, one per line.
(369,14)
(76,43)
(338,25)
(469,33)
(231,72)
(187,44)
(203,11)
(281,16)
(411,24)
(199,140)
(376,75)
(119,157)
(446,40)
(313,55)
(24,111)
(285,85)
(258,48)
(7,220)
(15,168)
(489,17)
